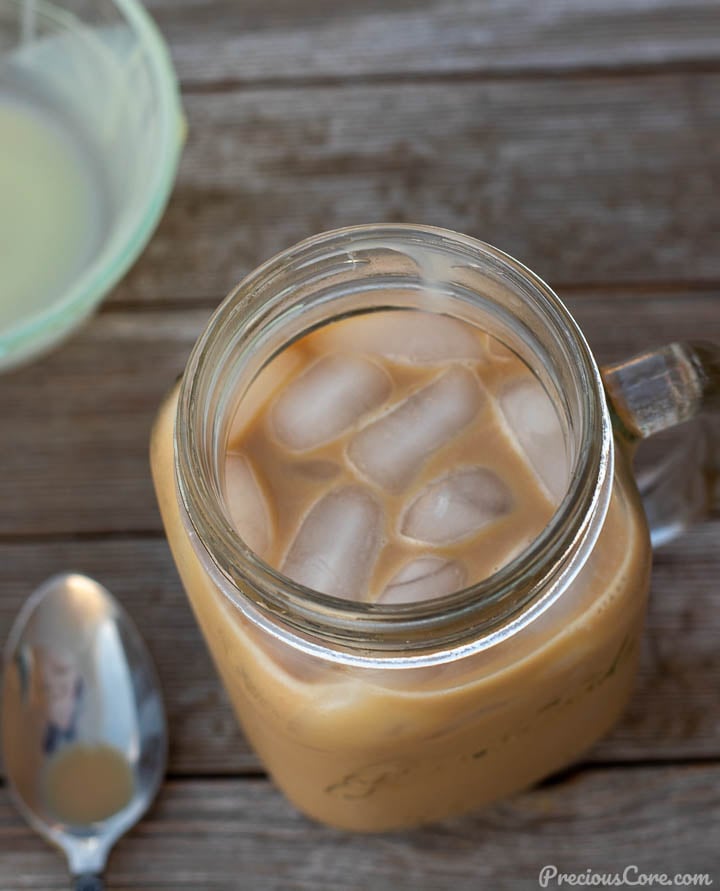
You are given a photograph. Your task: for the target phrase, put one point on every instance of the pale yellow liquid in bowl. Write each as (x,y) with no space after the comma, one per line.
(53,207)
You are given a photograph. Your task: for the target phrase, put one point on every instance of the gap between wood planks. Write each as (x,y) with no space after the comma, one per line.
(710,65)
(86,535)
(560,777)
(555,779)
(664,290)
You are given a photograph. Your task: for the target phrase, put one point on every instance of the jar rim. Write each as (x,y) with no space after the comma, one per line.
(395,635)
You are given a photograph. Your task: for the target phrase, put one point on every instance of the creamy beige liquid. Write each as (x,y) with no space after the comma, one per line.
(84,784)
(53,202)
(393,458)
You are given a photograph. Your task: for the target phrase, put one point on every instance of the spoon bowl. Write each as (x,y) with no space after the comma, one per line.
(84,730)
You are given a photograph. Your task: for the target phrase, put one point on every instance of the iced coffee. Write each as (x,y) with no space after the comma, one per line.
(394,458)
(404,457)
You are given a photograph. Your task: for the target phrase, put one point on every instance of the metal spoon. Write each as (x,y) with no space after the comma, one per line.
(84,733)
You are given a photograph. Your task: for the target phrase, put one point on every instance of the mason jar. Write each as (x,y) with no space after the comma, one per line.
(380,716)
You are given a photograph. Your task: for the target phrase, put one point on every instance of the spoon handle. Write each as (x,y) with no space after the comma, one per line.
(88,882)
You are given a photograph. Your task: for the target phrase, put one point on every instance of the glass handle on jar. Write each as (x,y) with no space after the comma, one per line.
(655,391)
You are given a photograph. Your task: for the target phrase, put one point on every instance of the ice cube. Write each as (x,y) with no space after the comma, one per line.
(424,578)
(408,337)
(327,399)
(275,374)
(391,450)
(337,544)
(247,505)
(534,423)
(457,506)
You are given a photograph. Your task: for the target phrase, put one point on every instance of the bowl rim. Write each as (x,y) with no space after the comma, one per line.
(108,265)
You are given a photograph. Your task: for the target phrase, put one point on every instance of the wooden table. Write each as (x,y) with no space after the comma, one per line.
(582,137)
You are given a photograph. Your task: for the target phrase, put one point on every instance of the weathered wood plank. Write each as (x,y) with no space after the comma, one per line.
(219,40)
(76,426)
(234,834)
(73,454)
(675,712)
(587,180)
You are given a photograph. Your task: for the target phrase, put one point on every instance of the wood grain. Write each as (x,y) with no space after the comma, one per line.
(73,451)
(74,457)
(293,41)
(582,136)
(675,712)
(592,180)
(230,835)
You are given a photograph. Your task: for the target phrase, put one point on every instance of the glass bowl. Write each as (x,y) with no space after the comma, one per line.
(101,71)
